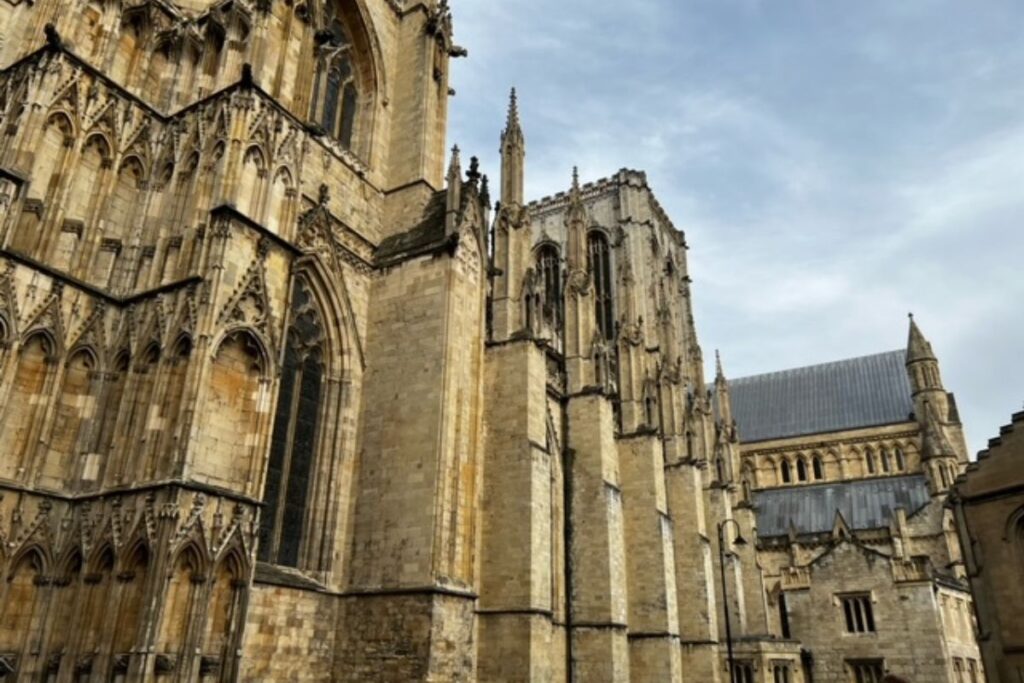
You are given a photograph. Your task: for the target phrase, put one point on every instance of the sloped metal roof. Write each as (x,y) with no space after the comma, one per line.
(847,394)
(865,504)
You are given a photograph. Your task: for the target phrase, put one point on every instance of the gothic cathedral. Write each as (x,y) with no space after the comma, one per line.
(285,397)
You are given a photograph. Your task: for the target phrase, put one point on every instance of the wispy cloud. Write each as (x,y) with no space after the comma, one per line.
(834,165)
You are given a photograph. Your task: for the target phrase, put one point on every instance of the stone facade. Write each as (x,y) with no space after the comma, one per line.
(858,552)
(284,400)
(988,501)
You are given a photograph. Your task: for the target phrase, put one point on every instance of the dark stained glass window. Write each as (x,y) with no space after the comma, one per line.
(550,271)
(293,442)
(599,256)
(335,99)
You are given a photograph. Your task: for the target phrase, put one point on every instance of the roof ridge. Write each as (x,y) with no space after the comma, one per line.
(826,364)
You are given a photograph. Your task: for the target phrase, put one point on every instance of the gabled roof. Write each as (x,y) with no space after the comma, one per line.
(847,394)
(864,504)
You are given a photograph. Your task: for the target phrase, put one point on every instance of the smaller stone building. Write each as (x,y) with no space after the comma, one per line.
(989,504)
(845,470)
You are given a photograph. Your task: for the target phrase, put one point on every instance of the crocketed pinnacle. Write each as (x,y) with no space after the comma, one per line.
(513,133)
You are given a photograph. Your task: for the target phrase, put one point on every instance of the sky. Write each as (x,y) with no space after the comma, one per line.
(834,165)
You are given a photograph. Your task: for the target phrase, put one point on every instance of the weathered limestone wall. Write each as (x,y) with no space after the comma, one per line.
(426,637)
(597,550)
(651,587)
(516,609)
(817,618)
(289,635)
(989,508)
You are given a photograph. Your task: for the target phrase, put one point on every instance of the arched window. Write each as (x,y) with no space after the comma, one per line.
(335,96)
(886,465)
(901,460)
(801,469)
(818,472)
(551,274)
(869,458)
(294,439)
(787,475)
(600,264)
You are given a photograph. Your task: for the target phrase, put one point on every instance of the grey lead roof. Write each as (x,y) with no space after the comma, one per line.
(847,394)
(865,504)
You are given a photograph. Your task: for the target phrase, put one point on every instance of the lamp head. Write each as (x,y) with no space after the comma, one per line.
(739,541)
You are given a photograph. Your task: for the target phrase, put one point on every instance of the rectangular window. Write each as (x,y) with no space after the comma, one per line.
(743,672)
(780,672)
(866,670)
(972,667)
(858,613)
(958,670)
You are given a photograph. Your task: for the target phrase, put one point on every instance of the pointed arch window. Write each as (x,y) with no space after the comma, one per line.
(787,475)
(869,457)
(901,460)
(600,264)
(293,442)
(335,96)
(549,267)
(801,469)
(818,469)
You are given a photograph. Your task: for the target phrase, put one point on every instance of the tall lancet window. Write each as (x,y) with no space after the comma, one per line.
(550,270)
(293,444)
(335,96)
(600,263)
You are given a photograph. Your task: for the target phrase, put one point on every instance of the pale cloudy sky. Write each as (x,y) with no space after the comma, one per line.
(833,164)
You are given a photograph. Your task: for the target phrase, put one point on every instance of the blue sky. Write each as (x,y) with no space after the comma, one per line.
(833,164)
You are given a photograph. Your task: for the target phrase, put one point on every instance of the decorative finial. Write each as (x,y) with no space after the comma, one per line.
(513,107)
(576,178)
(910,315)
(473,174)
(455,166)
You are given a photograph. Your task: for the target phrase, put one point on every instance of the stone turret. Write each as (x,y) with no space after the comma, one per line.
(513,156)
(587,356)
(944,446)
(513,308)
(923,370)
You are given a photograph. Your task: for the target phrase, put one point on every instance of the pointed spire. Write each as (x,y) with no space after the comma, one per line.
(455,165)
(719,373)
(918,348)
(453,200)
(512,123)
(576,213)
(513,156)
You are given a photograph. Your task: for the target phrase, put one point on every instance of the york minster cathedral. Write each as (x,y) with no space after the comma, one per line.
(285,396)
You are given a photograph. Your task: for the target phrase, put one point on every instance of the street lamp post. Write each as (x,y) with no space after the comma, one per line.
(739,541)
